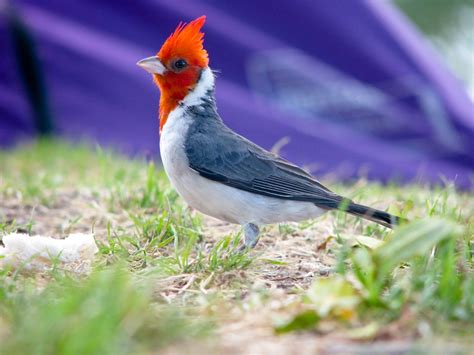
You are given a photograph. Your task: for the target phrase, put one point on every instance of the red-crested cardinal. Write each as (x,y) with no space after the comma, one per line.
(217,171)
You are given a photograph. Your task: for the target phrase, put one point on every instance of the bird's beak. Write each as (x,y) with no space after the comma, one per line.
(152,65)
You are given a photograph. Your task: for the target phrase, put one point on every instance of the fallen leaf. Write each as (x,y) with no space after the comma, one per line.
(333,296)
(323,245)
(302,321)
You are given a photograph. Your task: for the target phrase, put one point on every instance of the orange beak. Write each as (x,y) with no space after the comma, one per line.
(152,65)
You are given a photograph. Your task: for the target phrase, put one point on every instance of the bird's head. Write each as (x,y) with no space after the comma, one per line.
(177,67)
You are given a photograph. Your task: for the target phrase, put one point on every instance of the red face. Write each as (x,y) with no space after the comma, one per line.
(179,77)
(177,66)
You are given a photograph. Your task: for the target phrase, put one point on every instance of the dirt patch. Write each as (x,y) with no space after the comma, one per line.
(245,303)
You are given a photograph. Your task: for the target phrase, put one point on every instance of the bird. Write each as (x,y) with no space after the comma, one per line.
(217,171)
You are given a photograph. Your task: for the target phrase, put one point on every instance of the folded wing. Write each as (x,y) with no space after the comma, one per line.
(223,156)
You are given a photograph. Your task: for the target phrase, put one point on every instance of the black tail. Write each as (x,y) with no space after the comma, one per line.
(380,217)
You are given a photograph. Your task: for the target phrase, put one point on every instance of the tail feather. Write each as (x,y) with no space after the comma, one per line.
(385,219)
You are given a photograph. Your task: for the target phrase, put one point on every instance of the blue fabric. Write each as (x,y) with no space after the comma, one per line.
(351,84)
(16,121)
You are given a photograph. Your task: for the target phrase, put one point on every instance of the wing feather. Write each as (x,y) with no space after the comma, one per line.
(219,154)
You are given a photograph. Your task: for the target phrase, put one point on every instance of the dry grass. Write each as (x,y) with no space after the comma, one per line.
(140,225)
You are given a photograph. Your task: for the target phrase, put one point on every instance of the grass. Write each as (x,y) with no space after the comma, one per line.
(108,313)
(168,278)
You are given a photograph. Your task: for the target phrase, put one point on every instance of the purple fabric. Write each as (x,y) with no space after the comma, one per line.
(350,83)
(16,122)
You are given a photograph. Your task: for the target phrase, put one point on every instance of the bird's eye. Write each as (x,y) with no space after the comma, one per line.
(179,64)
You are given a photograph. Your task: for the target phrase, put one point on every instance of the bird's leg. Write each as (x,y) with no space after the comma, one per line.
(251,232)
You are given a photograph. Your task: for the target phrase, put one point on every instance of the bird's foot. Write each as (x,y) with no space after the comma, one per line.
(251,236)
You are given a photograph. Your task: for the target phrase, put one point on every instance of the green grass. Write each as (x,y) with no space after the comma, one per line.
(165,276)
(435,282)
(106,313)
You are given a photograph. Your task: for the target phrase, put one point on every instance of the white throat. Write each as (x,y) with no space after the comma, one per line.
(205,83)
(193,98)
(174,131)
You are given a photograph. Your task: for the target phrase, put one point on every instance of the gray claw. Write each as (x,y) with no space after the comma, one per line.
(251,236)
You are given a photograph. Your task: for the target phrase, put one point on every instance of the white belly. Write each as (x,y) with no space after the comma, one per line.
(216,199)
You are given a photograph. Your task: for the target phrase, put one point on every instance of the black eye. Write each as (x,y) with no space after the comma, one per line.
(180,64)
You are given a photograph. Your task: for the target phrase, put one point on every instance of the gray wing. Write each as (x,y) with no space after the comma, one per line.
(222,155)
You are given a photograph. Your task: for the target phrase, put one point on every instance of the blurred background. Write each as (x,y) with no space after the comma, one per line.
(373,88)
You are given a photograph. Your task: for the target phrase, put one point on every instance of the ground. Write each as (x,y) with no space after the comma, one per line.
(168,279)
